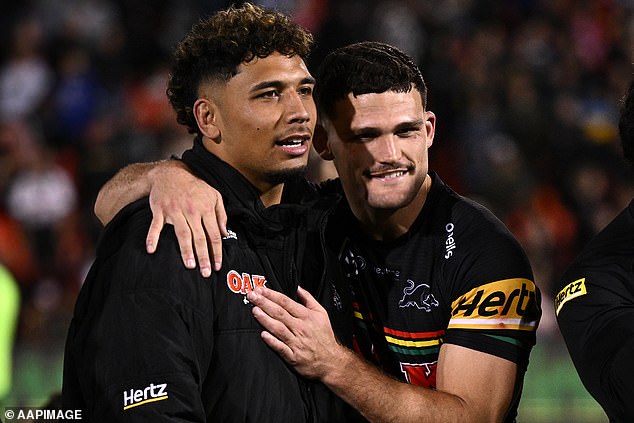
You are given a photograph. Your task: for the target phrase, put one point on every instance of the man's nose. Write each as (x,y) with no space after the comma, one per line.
(387,148)
(297,108)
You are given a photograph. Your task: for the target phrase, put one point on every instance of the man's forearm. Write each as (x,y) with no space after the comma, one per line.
(127,185)
(381,398)
(471,386)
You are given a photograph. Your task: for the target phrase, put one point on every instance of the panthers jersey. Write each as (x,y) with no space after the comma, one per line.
(457,276)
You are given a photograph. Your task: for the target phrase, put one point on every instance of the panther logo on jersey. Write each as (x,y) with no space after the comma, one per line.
(418,296)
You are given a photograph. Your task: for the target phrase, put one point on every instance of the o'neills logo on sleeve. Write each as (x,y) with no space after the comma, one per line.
(572,290)
(243,283)
(506,304)
(152,393)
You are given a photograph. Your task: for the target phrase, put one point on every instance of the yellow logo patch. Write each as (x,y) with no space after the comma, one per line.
(505,304)
(572,290)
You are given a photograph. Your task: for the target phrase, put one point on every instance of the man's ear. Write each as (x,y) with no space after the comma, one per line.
(206,118)
(320,142)
(430,127)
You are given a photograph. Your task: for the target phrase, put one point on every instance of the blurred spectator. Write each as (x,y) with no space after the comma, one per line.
(25,78)
(76,98)
(41,196)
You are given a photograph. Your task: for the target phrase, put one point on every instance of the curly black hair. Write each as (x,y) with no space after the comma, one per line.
(363,68)
(217,45)
(626,125)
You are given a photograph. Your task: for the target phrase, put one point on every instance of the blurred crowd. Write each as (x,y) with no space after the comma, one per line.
(526,93)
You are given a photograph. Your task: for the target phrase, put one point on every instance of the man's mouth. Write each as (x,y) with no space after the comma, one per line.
(294,145)
(388,173)
(292,142)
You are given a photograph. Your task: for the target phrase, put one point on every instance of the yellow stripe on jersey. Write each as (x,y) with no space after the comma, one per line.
(417,344)
(505,304)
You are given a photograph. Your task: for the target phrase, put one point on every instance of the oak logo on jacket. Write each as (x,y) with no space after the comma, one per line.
(243,283)
(151,393)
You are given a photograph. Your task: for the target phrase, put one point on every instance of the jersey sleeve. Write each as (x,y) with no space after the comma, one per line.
(154,369)
(495,304)
(140,349)
(595,311)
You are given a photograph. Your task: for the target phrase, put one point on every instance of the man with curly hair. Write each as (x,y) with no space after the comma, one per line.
(151,340)
(595,302)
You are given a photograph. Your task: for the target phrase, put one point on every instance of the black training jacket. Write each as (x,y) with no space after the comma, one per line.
(153,341)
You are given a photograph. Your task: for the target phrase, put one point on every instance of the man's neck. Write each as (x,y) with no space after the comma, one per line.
(272,196)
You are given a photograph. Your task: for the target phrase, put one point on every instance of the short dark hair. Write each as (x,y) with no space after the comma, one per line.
(363,68)
(626,125)
(217,45)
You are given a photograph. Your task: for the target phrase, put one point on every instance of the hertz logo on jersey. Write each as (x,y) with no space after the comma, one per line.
(506,304)
(572,290)
(152,393)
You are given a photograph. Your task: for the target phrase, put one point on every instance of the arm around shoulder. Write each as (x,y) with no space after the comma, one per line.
(127,185)
(176,197)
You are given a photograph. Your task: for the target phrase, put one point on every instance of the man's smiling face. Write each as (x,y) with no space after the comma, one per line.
(379,145)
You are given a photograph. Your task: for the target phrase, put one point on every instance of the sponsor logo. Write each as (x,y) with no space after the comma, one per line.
(384,271)
(418,296)
(350,262)
(243,283)
(336,298)
(572,290)
(152,393)
(506,304)
(230,235)
(450,242)
(423,374)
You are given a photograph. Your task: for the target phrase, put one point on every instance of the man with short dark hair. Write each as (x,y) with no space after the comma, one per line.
(442,293)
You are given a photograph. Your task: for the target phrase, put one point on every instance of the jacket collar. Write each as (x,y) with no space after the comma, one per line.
(236,190)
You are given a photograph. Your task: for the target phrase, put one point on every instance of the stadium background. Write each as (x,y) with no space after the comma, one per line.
(526,93)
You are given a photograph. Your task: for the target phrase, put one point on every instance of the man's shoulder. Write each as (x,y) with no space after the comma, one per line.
(610,252)
(126,225)
(465,215)
(123,267)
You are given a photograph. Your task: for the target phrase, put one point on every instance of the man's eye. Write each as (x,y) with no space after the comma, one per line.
(363,137)
(406,133)
(270,94)
(306,91)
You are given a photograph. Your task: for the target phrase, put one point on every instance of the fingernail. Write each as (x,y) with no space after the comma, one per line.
(190,263)
(150,247)
(217,265)
(206,272)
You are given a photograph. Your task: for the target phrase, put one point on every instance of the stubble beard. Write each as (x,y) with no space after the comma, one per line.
(286,175)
